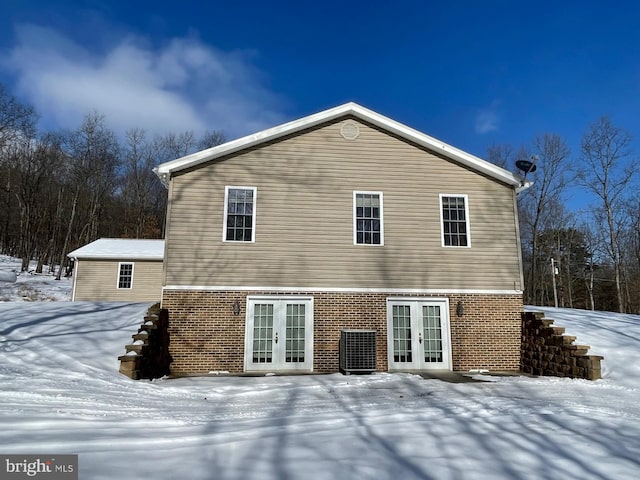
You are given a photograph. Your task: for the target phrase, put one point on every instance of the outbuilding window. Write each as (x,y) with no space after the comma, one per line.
(125,275)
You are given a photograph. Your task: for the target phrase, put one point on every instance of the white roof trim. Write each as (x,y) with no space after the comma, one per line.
(165,170)
(120,249)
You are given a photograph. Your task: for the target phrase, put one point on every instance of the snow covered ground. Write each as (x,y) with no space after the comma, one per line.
(60,392)
(30,286)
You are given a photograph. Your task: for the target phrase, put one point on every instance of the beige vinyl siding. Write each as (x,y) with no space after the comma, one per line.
(97,280)
(304,225)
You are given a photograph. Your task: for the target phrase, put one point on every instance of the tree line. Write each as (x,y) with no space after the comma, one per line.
(588,258)
(60,190)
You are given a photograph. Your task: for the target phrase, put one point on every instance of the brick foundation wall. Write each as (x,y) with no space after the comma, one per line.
(488,335)
(206,335)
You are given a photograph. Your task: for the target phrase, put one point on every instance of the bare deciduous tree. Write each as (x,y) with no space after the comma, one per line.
(16,119)
(539,203)
(603,173)
(139,183)
(93,158)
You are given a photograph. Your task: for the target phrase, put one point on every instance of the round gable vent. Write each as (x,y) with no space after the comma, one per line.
(350,131)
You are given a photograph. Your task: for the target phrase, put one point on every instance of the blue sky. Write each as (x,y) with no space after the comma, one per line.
(471,73)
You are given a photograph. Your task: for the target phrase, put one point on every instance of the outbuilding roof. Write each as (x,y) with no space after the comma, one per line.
(121,249)
(165,170)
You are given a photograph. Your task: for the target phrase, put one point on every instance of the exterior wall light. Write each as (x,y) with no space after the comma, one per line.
(236,307)
(459,309)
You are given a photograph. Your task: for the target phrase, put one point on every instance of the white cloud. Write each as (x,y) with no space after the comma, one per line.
(185,85)
(488,119)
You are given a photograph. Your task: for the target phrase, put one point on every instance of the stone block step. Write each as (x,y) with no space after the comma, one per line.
(147,327)
(139,348)
(578,350)
(154,309)
(130,358)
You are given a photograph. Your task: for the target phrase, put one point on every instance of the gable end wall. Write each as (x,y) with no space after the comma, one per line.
(304,226)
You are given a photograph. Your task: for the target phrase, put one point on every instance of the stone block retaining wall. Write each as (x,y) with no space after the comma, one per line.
(547,351)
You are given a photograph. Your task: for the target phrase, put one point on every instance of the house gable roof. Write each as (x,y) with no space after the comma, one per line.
(165,170)
(120,249)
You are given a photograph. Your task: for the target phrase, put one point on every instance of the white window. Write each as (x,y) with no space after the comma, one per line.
(454,218)
(125,275)
(368,218)
(239,214)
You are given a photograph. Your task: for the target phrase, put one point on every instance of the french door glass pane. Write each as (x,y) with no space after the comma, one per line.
(263,333)
(432,333)
(294,349)
(402,333)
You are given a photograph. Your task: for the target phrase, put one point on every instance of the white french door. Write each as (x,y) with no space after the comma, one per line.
(279,334)
(418,334)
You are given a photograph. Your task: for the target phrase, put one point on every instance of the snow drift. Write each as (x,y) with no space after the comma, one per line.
(8,276)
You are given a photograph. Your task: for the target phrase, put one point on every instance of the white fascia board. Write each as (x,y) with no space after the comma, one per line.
(449,151)
(121,258)
(165,170)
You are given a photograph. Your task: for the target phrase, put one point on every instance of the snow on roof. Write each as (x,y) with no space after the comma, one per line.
(165,170)
(121,249)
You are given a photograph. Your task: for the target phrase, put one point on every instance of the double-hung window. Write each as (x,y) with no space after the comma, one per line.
(239,214)
(455,220)
(367,218)
(125,275)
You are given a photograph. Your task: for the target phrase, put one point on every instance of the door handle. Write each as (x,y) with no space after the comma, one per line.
(276,337)
(420,337)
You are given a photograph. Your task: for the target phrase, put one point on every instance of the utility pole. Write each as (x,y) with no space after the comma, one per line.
(554,271)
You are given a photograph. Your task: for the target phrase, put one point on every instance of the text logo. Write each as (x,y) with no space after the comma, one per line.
(49,467)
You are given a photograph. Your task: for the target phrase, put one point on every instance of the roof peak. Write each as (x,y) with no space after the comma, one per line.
(165,170)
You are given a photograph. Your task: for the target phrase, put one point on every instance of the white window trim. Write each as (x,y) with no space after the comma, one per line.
(133,266)
(466,215)
(251,300)
(225,209)
(355,221)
